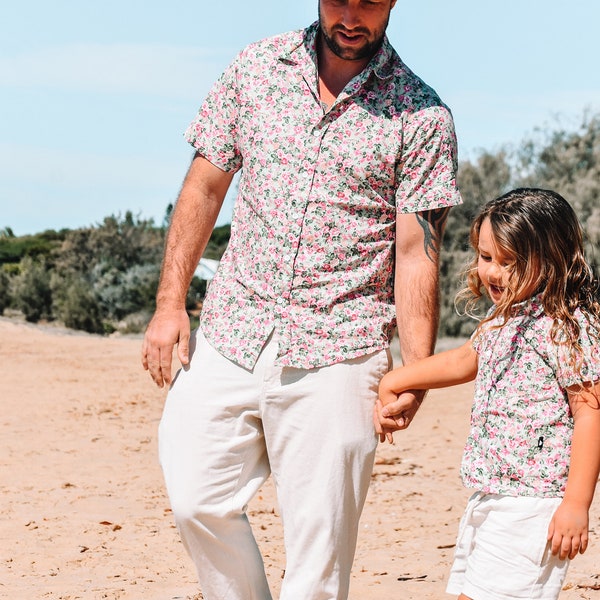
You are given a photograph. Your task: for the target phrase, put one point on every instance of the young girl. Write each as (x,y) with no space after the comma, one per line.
(533,451)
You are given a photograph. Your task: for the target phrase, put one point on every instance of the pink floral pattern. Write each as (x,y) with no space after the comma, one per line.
(521,424)
(311,252)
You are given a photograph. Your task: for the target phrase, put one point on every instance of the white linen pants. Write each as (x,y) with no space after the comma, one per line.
(225,429)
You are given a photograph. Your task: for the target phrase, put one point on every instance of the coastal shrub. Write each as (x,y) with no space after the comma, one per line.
(75,305)
(31,293)
(5,297)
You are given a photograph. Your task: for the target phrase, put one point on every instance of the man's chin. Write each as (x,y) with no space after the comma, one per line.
(353,53)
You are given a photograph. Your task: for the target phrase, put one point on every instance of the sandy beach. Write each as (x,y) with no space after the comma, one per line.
(85,514)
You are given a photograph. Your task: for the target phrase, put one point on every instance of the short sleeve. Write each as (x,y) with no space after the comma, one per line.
(481,331)
(428,169)
(214,131)
(476,341)
(589,340)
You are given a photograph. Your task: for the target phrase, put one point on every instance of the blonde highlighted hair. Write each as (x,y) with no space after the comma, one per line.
(539,232)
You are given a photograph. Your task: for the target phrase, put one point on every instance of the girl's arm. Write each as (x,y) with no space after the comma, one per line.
(568,530)
(445,369)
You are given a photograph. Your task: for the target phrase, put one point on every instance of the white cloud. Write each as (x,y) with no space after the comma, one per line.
(163,70)
(51,167)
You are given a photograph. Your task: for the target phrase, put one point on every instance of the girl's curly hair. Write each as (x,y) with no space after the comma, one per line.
(538,230)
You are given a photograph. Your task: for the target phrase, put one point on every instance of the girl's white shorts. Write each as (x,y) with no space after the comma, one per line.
(502,551)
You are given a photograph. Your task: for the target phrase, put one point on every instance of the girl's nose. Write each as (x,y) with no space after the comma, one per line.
(495,273)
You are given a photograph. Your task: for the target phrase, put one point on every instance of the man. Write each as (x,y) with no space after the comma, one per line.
(348,173)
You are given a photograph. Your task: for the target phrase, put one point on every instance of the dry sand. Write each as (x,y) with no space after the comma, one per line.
(84,510)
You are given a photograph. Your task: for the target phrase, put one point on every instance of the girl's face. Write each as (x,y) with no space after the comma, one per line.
(495,266)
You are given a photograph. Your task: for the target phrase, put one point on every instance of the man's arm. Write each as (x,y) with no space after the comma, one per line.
(416,290)
(416,284)
(192,222)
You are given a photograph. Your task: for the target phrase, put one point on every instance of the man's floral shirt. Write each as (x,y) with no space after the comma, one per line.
(311,252)
(521,425)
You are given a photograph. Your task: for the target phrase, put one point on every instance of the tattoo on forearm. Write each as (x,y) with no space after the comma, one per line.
(432,222)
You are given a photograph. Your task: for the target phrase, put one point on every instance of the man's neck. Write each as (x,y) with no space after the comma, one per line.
(335,72)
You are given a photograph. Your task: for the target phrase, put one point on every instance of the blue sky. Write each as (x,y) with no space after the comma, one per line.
(95,97)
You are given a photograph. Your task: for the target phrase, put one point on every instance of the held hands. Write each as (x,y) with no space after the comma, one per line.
(568,530)
(167,328)
(394,411)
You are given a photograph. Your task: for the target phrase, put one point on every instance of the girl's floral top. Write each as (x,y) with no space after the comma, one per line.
(521,424)
(311,252)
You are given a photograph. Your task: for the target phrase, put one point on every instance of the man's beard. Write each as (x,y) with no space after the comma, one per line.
(366,51)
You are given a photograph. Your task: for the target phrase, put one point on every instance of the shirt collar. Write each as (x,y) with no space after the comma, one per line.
(532,307)
(303,52)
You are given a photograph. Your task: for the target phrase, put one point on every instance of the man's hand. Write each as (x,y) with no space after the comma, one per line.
(394,412)
(167,328)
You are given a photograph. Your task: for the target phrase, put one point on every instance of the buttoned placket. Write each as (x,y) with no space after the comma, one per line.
(314,147)
(284,303)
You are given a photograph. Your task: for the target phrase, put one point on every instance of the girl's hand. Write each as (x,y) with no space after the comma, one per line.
(394,412)
(568,530)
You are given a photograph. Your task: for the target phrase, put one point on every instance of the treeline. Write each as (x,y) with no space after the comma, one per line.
(564,160)
(103,278)
(98,279)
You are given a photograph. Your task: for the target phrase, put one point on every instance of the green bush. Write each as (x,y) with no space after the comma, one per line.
(75,305)
(5,296)
(31,293)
